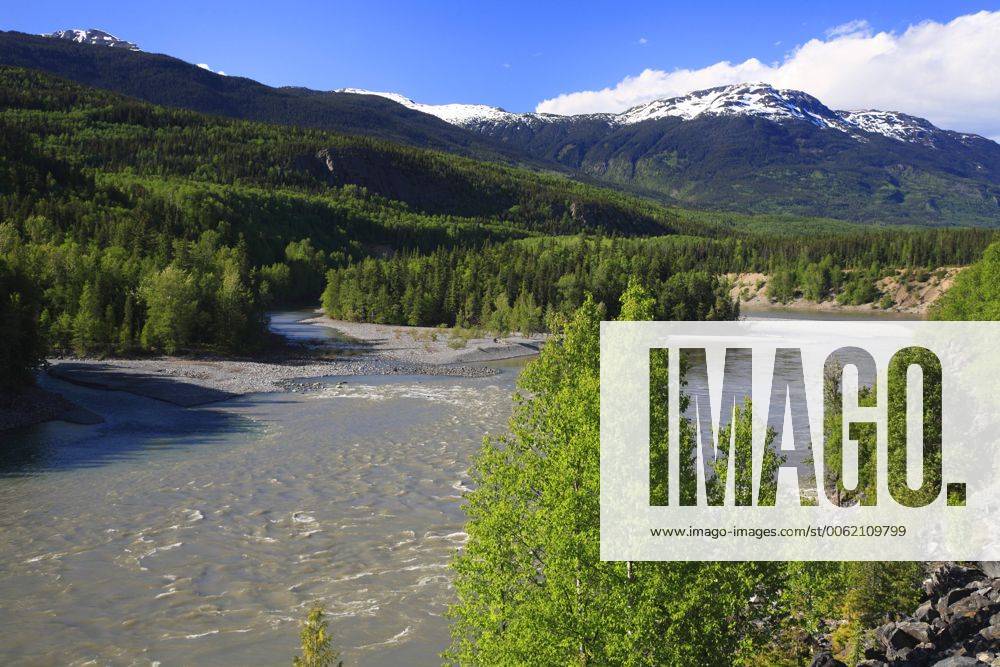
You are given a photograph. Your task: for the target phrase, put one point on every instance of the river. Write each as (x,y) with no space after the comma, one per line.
(202,535)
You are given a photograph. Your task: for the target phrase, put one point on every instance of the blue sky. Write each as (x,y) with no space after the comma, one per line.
(511,54)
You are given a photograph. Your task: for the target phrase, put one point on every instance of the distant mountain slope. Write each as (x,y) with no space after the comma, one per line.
(754,164)
(165,80)
(425,189)
(759,100)
(750,148)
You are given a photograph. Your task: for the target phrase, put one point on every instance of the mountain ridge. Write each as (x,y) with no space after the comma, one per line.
(748,148)
(92,36)
(756,99)
(169,81)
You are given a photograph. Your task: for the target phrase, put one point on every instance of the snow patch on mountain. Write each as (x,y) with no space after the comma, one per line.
(895,125)
(745,99)
(92,36)
(463,115)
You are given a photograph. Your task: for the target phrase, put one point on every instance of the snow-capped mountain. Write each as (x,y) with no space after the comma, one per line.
(92,36)
(463,115)
(745,99)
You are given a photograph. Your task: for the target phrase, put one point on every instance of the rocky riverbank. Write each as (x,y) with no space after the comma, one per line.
(348,349)
(912,293)
(957,625)
(34,405)
(427,346)
(192,381)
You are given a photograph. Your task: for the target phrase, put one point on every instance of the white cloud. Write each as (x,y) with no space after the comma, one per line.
(643,40)
(946,72)
(206,67)
(855,27)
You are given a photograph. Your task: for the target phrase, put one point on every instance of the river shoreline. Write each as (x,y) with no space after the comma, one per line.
(35,405)
(322,348)
(430,346)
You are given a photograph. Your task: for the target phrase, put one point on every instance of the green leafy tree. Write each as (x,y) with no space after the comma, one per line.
(171,298)
(531,586)
(781,286)
(90,332)
(23,347)
(976,292)
(637,303)
(317,645)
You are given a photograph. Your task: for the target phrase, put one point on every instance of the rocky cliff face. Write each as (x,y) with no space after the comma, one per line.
(957,625)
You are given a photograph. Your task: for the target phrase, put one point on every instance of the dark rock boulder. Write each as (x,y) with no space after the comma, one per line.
(826,659)
(947,600)
(991,568)
(958,625)
(950,576)
(926,612)
(958,661)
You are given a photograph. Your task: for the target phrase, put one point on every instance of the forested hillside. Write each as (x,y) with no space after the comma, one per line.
(162,79)
(751,164)
(145,228)
(740,163)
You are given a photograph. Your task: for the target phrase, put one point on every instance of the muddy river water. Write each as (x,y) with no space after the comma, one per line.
(201,536)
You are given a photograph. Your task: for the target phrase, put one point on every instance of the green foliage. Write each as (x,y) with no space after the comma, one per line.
(976,292)
(859,287)
(781,286)
(740,430)
(531,586)
(511,286)
(172,309)
(22,347)
(637,303)
(931,483)
(317,645)
(532,589)
(477,285)
(871,590)
(819,279)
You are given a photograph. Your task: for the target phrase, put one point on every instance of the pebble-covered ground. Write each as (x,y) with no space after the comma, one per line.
(356,349)
(31,406)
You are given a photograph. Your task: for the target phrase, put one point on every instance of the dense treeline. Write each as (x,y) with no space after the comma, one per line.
(521,285)
(112,133)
